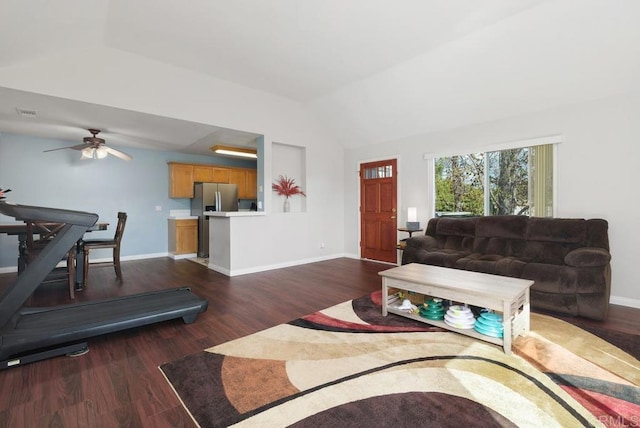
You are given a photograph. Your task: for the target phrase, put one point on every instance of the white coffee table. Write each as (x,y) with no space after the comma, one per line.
(509,296)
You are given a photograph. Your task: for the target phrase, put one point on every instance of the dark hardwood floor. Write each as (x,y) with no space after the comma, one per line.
(118,383)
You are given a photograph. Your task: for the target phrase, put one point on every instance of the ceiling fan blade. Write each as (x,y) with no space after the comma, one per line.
(117,153)
(76,147)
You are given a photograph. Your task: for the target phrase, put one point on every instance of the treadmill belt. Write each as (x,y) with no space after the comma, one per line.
(36,328)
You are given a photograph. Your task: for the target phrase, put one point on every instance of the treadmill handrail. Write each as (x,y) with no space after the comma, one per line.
(53,215)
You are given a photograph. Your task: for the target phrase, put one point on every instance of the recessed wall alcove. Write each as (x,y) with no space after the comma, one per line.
(290,161)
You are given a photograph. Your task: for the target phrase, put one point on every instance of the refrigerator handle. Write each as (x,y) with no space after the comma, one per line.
(218,202)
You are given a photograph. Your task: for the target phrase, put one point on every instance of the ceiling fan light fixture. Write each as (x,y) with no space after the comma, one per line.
(235,151)
(100,152)
(87,153)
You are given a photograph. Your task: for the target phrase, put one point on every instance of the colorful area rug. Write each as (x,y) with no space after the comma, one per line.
(348,366)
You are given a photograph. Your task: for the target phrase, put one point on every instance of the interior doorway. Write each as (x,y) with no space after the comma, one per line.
(378,210)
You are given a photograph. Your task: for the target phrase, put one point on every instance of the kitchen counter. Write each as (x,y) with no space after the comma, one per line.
(234,213)
(225,250)
(181,215)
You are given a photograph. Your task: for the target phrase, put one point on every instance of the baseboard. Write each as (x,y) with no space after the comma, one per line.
(175,256)
(12,269)
(263,268)
(219,269)
(624,301)
(352,256)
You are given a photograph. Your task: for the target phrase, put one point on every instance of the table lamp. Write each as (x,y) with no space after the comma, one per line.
(412,218)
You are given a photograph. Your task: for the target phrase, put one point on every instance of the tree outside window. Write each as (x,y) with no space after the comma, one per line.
(506,182)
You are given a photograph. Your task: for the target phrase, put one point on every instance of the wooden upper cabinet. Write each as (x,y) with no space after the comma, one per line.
(246,179)
(221,175)
(180,180)
(252,184)
(183,175)
(202,173)
(237,176)
(210,174)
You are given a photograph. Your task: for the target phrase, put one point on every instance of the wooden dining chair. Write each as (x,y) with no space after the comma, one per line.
(39,235)
(94,244)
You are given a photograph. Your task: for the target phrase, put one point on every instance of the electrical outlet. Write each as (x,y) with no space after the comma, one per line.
(158,208)
(321,245)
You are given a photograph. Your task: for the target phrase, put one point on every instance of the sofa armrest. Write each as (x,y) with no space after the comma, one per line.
(588,257)
(424,242)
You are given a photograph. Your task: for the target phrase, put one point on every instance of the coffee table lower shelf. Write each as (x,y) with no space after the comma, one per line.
(467,332)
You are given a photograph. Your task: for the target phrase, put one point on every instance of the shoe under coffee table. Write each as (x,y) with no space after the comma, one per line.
(508,296)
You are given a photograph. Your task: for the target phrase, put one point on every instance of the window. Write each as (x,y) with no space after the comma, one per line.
(385,171)
(516,181)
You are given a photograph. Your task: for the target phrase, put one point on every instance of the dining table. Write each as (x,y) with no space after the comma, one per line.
(21,230)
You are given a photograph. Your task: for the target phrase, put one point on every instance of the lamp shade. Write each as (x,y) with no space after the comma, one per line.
(412,214)
(87,153)
(101,152)
(412,218)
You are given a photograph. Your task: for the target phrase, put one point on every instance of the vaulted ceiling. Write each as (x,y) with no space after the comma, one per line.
(371,70)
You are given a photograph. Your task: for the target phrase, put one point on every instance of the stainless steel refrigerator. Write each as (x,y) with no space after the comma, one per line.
(211,197)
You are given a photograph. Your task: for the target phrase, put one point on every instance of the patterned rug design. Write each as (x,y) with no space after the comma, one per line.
(348,366)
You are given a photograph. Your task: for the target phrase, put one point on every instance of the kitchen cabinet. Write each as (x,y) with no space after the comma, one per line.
(252,184)
(210,174)
(180,180)
(183,175)
(183,236)
(246,179)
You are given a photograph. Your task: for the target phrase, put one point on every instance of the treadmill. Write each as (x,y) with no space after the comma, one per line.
(29,334)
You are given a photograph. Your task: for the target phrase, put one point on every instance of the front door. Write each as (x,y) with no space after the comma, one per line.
(378,210)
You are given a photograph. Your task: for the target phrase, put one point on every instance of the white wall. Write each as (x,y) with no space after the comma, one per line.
(129,82)
(597,169)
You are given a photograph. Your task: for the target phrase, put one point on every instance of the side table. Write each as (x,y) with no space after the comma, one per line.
(402,244)
(409,231)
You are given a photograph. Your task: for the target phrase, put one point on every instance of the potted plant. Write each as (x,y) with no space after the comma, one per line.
(286,186)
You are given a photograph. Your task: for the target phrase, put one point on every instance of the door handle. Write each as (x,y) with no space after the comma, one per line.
(392,217)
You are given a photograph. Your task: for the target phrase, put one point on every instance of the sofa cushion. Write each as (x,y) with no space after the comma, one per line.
(567,230)
(505,247)
(504,226)
(597,233)
(442,257)
(456,226)
(563,303)
(588,257)
(458,243)
(494,264)
(423,241)
(552,278)
(545,252)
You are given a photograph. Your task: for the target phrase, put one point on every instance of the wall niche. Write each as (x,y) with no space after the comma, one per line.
(289,161)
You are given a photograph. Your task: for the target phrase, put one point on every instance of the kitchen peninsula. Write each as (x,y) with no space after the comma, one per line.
(223,251)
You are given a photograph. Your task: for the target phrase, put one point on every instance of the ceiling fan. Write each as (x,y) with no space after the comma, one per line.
(95,148)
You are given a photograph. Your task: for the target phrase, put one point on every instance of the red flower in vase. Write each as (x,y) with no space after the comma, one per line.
(285,186)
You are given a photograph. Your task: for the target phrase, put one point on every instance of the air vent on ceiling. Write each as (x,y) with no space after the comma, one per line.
(25,112)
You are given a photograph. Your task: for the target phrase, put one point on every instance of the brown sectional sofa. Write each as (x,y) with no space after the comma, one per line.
(568,259)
